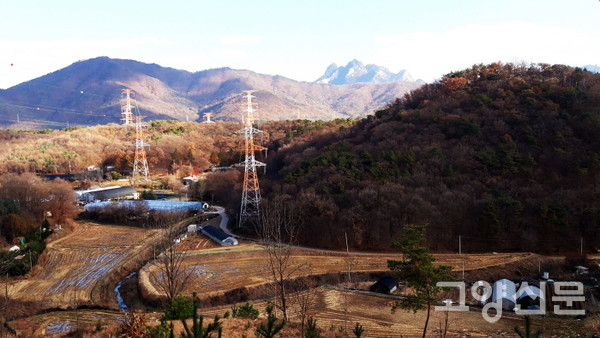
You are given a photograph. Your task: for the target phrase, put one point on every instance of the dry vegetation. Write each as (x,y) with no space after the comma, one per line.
(219,270)
(79,268)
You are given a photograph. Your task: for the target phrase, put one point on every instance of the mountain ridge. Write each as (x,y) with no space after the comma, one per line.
(88,92)
(356,72)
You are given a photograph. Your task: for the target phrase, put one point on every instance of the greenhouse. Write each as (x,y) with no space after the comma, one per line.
(152,205)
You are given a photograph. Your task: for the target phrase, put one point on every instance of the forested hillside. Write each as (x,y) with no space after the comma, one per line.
(506,156)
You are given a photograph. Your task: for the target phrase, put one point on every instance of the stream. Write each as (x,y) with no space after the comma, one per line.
(120,300)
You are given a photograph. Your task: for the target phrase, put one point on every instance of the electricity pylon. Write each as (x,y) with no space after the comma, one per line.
(249,209)
(127,106)
(140,164)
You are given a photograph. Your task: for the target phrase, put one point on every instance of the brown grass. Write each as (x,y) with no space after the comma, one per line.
(77,268)
(219,270)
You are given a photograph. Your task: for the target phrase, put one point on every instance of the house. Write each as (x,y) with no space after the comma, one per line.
(385,285)
(218,235)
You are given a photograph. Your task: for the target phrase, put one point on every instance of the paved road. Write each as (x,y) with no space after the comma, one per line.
(224,219)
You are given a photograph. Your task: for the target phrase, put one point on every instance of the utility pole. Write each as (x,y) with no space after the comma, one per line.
(348,256)
(459,245)
(249,209)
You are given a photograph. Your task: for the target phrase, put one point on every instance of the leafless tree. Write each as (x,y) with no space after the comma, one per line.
(172,275)
(303,302)
(61,201)
(278,231)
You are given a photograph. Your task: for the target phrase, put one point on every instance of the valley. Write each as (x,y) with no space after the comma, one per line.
(498,162)
(77,272)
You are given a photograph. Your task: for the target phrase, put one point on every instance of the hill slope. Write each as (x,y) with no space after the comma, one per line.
(507,157)
(88,92)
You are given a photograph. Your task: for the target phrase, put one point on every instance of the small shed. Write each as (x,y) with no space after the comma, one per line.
(504,291)
(385,285)
(529,296)
(14,248)
(192,228)
(219,236)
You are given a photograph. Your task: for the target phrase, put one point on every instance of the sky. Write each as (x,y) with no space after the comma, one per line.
(296,39)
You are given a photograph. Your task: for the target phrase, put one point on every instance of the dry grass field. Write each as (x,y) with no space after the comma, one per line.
(217,270)
(328,307)
(78,268)
(77,264)
(373,312)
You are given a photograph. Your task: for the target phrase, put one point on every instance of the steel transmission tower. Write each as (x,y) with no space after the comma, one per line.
(140,163)
(127,106)
(249,210)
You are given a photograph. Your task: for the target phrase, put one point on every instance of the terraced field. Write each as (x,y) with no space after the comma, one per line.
(217,270)
(74,268)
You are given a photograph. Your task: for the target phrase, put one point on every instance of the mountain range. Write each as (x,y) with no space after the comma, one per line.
(592,68)
(89,92)
(356,72)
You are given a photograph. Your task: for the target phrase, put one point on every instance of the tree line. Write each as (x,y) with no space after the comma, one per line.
(507,156)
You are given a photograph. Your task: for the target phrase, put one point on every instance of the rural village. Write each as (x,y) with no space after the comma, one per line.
(129,254)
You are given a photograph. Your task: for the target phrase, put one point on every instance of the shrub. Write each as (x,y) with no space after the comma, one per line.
(245,311)
(181,308)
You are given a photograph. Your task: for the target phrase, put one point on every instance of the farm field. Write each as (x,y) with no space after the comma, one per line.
(59,323)
(78,265)
(373,312)
(217,270)
(76,268)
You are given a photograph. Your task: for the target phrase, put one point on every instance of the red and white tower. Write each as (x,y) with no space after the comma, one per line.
(249,209)
(140,163)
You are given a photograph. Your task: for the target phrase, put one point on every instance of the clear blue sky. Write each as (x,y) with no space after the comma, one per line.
(296,39)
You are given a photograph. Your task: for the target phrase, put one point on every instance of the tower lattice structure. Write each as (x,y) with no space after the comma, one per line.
(140,163)
(127,106)
(250,204)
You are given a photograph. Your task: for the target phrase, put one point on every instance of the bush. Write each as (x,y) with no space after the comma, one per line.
(181,308)
(148,195)
(245,311)
(115,175)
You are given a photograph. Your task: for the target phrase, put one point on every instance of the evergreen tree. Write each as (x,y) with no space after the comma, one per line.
(420,273)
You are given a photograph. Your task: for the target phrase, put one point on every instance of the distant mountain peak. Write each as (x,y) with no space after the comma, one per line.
(592,68)
(356,72)
(88,92)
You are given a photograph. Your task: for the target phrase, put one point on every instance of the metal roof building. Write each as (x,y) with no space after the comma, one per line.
(386,284)
(218,236)
(111,193)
